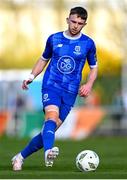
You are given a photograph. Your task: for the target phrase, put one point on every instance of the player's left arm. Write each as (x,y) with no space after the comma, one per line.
(86,88)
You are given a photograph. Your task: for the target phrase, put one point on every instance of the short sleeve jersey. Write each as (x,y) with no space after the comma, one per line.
(67,58)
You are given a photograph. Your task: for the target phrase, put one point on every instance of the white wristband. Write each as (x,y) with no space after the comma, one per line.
(31,77)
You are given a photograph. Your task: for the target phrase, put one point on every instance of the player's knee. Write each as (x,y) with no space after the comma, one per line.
(59,122)
(51,115)
(52,112)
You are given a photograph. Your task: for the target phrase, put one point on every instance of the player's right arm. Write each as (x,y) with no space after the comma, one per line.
(40,64)
(37,69)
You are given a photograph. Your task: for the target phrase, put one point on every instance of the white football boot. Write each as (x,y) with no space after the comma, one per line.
(50,156)
(17,162)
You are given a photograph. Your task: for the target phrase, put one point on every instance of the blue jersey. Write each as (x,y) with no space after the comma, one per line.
(67,58)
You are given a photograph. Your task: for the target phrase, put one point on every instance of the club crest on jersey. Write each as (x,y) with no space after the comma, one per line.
(66,64)
(77,50)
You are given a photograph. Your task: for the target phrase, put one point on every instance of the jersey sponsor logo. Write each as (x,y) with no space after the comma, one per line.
(77,50)
(45,98)
(66,64)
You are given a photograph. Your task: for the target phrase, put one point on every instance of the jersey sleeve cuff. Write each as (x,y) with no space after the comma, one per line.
(93,66)
(45,59)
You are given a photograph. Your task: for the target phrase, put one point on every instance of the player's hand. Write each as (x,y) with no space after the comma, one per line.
(85,90)
(25,84)
(27,81)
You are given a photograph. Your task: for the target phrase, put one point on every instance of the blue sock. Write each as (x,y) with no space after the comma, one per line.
(34,145)
(48,134)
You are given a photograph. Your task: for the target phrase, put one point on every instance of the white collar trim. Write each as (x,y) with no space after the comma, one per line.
(73,38)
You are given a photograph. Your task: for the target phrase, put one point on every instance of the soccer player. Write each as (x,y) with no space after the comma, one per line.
(66,53)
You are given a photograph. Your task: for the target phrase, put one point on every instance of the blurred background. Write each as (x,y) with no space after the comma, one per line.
(24,27)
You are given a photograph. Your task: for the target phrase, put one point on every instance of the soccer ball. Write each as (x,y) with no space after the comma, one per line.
(87,160)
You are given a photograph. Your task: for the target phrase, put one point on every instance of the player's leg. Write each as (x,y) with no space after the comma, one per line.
(55,115)
(51,99)
(52,122)
(34,145)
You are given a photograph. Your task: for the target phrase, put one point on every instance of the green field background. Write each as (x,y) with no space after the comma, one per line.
(111,150)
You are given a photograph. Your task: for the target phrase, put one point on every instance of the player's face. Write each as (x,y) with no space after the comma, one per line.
(75,24)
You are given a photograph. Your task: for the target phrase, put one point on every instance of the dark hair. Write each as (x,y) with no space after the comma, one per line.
(80,11)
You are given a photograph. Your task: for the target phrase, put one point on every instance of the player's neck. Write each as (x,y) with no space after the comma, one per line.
(68,35)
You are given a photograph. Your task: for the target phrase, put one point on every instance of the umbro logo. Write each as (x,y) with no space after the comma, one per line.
(59,45)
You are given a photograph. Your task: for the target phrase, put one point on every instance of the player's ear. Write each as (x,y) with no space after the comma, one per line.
(85,23)
(67,20)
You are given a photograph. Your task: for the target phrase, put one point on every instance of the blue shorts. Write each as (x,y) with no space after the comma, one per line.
(62,99)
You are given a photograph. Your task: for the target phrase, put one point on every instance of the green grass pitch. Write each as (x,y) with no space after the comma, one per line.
(111,150)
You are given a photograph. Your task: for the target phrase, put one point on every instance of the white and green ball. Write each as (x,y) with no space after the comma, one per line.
(87,160)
